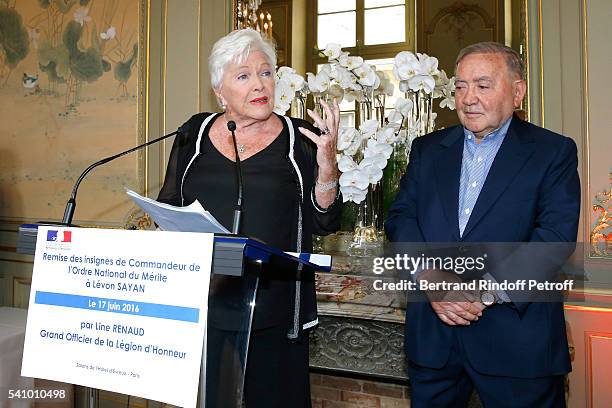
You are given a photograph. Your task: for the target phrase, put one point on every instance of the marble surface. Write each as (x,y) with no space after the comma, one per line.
(348,290)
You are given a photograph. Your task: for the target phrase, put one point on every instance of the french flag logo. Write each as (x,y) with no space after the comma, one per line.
(59,236)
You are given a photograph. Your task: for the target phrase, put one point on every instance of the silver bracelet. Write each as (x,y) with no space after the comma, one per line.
(323,187)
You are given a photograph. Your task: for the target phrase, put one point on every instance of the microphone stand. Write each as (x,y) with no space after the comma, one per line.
(231,126)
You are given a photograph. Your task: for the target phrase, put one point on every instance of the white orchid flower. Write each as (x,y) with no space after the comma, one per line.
(354,178)
(354,147)
(80,15)
(406,70)
(432,120)
(395,117)
(368,128)
(404,57)
(283,96)
(294,81)
(448,94)
(109,34)
(346,137)
(346,163)
(377,160)
(332,51)
(318,83)
(419,74)
(353,194)
(422,82)
(367,76)
(450,86)
(371,170)
(350,62)
(403,106)
(344,77)
(282,71)
(354,95)
(377,80)
(441,82)
(448,102)
(428,65)
(380,82)
(387,135)
(357,86)
(386,86)
(404,87)
(336,91)
(442,78)
(375,148)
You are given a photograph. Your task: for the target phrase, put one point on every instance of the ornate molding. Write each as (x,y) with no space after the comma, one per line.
(601,226)
(459,15)
(357,346)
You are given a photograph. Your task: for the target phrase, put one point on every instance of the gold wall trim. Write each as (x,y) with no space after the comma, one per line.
(588,309)
(541,54)
(199,68)
(525,29)
(588,336)
(147,99)
(164,83)
(586,157)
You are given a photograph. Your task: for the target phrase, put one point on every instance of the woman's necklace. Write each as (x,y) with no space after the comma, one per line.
(241,148)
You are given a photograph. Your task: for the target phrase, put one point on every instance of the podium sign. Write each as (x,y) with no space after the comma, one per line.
(123,311)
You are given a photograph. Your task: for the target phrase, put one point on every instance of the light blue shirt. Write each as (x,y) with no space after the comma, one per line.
(475,165)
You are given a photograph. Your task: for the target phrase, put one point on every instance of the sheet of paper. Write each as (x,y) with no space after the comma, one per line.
(192,218)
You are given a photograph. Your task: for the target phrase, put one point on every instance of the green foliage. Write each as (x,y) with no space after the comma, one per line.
(54,61)
(87,66)
(14,41)
(71,37)
(84,66)
(51,70)
(123,70)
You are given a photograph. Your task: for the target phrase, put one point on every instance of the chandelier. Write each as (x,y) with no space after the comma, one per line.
(246,17)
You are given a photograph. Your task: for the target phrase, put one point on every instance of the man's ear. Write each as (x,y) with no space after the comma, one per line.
(519,88)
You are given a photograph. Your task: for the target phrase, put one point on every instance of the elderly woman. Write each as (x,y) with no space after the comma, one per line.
(290,175)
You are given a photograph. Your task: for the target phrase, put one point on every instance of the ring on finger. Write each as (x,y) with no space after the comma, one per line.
(325,131)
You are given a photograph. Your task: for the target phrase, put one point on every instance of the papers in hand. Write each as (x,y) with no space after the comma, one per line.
(193,218)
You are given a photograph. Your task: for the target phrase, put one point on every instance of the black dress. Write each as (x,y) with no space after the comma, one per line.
(278,212)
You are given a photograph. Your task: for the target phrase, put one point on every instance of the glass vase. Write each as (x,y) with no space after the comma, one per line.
(367,237)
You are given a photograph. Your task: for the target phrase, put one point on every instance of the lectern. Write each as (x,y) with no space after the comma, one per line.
(238,265)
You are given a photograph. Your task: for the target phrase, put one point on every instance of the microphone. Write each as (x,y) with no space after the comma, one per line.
(71,205)
(231,126)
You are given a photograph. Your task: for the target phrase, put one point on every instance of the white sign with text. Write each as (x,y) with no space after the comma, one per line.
(123,311)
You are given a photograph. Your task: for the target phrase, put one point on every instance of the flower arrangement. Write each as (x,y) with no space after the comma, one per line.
(365,151)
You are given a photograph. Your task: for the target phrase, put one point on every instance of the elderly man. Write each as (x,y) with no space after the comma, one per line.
(496,178)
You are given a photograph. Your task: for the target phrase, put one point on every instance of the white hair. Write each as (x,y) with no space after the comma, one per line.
(235,47)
